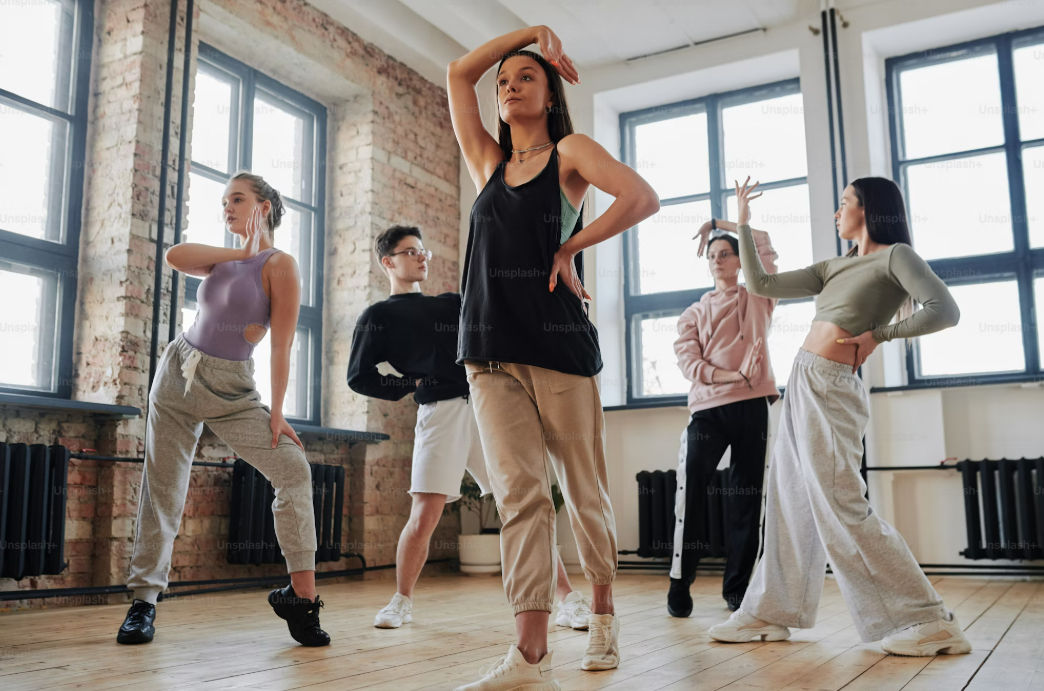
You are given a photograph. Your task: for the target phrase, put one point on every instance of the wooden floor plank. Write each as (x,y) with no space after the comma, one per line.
(222,641)
(948,672)
(1017,660)
(990,627)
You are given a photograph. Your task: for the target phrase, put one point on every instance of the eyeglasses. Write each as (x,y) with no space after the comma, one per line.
(414,253)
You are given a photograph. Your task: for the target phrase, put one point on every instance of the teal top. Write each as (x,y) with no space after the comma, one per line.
(569,216)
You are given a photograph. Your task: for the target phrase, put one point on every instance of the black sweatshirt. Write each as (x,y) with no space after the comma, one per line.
(417,335)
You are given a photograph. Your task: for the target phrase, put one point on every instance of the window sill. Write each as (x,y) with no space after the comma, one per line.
(339,435)
(103,410)
(125,412)
(962,382)
(666,402)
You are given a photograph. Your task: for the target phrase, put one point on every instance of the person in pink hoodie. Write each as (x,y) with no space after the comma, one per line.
(721,350)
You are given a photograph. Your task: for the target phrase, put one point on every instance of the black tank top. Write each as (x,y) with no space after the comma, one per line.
(507,312)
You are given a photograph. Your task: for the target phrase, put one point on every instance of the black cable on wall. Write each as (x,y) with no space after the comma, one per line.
(179,205)
(157,285)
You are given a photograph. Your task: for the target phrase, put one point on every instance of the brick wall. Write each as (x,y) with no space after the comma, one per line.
(392,158)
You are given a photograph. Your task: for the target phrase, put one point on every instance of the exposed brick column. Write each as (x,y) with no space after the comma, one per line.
(118,247)
(380,179)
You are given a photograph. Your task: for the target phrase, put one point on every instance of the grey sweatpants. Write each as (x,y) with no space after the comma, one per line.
(191,388)
(816,512)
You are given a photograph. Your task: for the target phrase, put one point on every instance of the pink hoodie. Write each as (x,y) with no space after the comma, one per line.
(716,333)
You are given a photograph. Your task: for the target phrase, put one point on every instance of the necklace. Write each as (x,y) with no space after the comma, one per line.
(532,148)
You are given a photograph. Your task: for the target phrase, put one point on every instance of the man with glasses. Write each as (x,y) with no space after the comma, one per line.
(417,335)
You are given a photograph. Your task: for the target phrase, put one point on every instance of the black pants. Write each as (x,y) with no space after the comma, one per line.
(743,425)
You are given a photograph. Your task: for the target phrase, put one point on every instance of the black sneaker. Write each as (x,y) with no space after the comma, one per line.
(679,601)
(733,602)
(138,627)
(301,615)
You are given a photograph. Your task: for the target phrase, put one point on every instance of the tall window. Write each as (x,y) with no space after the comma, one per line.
(243,119)
(968,150)
(691,153)
(44,85)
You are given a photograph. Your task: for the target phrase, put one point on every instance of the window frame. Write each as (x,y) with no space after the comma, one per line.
(1022,263)
(247,82)
(673,303)
(60,258)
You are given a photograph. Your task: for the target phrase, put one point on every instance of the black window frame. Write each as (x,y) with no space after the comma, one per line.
(671,304)
(1022,263)
(247,83)
(59,259)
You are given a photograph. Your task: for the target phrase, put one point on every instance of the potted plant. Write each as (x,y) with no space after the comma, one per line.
(479,553)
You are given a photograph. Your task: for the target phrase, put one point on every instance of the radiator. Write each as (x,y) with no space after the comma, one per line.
(656,517)
(32,509)
(251,525)
(1004,508)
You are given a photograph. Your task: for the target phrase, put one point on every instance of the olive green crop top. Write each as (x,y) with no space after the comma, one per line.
(860,293)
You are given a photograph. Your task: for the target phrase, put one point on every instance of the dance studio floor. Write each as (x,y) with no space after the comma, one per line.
(233,641)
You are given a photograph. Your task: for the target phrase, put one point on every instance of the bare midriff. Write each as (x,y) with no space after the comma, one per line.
(822,340)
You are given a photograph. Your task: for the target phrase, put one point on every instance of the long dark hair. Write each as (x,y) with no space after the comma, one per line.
(559,124)
(884,210)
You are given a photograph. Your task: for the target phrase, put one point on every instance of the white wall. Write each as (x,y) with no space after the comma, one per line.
(908,428)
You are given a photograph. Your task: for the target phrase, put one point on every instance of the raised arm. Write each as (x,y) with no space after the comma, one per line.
(938,308)
(635,200)
(789,284)
(481,151)
(759,281)
(197,260)
(762,242)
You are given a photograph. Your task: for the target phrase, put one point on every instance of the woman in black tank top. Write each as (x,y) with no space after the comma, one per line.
(529,347)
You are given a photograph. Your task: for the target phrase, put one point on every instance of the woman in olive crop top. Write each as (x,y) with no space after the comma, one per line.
(816,506)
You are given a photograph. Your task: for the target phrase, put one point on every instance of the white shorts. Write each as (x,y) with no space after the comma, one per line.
(446,443)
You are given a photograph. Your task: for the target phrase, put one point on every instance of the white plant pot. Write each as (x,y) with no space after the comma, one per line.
(480,554)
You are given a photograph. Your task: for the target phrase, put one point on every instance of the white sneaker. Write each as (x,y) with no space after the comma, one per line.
(573,611)
(603,643)
(396,613)
(743,628)
(513,672)
(932,638)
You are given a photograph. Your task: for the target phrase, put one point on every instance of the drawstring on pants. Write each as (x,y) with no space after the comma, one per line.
(188,368)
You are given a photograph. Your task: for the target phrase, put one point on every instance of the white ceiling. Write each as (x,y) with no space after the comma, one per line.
(428,34)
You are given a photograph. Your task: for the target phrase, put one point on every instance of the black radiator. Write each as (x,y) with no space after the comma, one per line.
(251,526)
(1004,508)
(656,519)
(32,509)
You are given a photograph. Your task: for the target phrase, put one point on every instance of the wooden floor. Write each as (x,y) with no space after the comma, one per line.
(233,641)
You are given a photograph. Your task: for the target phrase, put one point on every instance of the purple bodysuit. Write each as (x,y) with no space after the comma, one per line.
(230,299)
